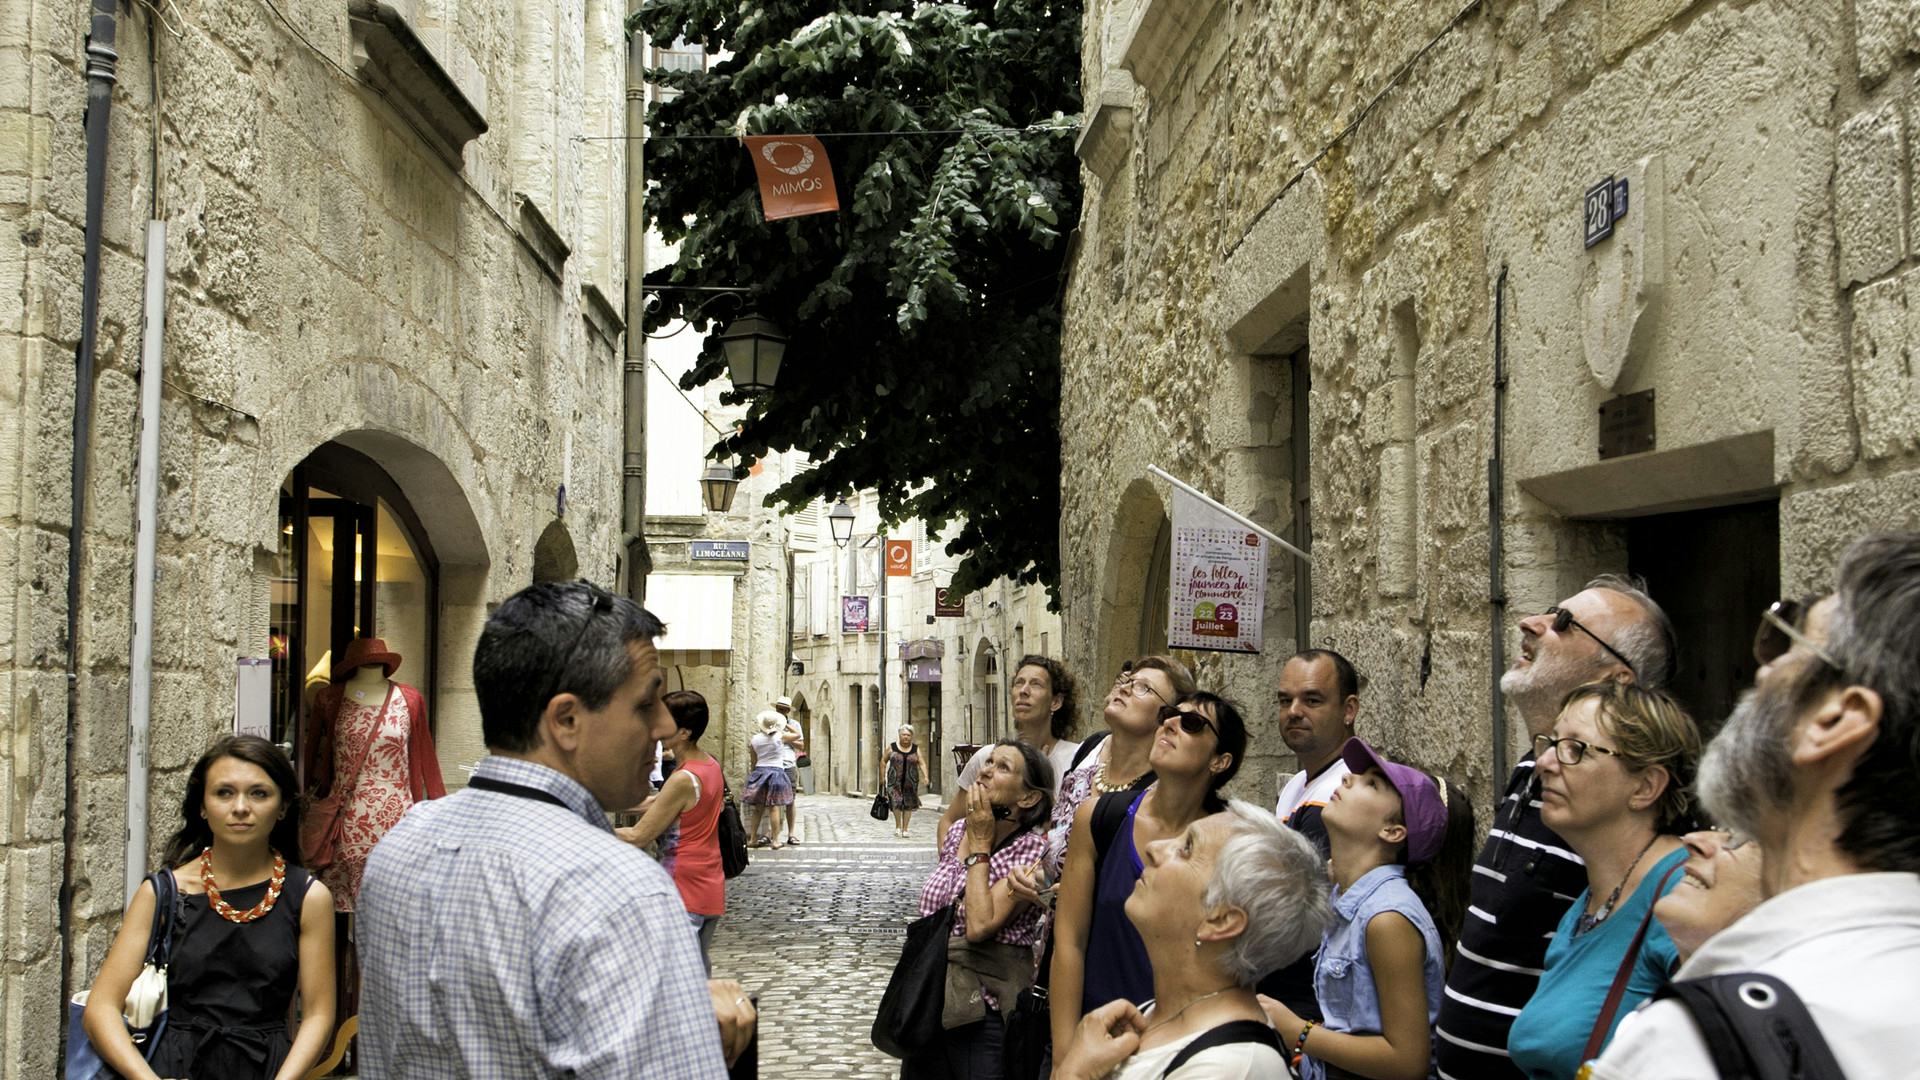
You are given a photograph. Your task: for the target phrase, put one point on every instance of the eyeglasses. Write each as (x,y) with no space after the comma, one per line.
(1193,723)
(1562,619)
(1770,642)
(601,601)
(1570,751)
(1130,681)
(1777,616)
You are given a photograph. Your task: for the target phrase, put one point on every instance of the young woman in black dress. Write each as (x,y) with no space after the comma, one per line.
(249,930)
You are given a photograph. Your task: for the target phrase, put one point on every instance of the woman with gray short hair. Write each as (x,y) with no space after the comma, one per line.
(1237,895)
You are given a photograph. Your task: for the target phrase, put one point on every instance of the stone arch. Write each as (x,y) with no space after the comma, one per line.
(1131,619)
(401,424)
(554,558)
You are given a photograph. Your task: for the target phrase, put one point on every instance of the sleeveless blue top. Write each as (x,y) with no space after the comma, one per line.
(1116,964)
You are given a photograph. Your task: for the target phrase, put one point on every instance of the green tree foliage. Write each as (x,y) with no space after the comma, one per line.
(924,360)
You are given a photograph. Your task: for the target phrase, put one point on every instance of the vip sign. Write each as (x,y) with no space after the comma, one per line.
(795,176)
(899,558)
(1218,580)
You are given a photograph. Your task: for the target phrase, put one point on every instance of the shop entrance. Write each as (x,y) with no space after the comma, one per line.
(1713,571)
(354,561)
(923,712)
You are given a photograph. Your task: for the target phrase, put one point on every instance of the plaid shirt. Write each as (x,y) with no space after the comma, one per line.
(949,883)
(505,937)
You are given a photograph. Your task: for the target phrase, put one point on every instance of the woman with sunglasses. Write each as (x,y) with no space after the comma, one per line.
(1098,955)
(1614,773)
(1117,760)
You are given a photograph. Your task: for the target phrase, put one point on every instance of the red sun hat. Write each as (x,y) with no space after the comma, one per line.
(1421,806)
(364,651)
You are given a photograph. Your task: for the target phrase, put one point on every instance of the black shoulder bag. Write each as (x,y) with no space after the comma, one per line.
(1755,1027)
(733,834)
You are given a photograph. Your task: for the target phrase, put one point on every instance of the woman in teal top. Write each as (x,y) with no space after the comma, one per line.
(1613,776)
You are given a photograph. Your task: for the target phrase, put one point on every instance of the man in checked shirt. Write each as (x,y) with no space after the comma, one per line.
(505,931)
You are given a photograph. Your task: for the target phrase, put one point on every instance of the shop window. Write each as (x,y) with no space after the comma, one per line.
(354,561)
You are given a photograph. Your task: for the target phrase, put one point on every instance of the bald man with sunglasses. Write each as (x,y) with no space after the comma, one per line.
(1526,876)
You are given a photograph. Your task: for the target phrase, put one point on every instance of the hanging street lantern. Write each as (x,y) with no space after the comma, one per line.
(718,484)
(840,519)
(754,346)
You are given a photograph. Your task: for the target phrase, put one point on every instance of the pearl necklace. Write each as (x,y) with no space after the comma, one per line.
(228,911)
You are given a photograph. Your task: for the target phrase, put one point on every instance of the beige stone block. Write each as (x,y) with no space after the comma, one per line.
(1394,522)
(1816,526)
(32,1010)
(33,880)
(1626,22)
(1886,390)
(1866,194)
(1880,29)
(1389,413)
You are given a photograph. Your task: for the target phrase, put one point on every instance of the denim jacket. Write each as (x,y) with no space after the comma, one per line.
(1342,977)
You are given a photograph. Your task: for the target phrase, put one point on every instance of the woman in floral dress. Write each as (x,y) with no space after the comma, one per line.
(904,776)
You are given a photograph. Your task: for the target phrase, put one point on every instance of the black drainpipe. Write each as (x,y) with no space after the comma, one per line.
(1496,511)
(102,63)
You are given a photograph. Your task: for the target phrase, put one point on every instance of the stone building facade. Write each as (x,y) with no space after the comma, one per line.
(1334,267)
(391,354)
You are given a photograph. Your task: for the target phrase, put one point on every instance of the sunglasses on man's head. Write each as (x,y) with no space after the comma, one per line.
(1193,723)
(1771,639)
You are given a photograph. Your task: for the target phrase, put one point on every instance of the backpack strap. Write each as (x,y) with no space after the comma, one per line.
(1755,1027)
(1093,743)
(1233,1031)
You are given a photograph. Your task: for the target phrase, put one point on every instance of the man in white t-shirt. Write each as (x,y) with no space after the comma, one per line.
(1043,702)
(1817,766)
(1319,696)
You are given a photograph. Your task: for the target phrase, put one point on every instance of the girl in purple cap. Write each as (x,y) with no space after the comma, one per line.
(1402,846)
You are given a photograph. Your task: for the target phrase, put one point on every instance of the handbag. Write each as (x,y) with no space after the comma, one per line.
(146,1006)
(908,1019)
(1029,1034)
(882,809)
(733,835)
(323,822)
(1603,1026)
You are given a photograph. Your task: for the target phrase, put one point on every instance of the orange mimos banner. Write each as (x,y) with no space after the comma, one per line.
(899,558)
(795,176)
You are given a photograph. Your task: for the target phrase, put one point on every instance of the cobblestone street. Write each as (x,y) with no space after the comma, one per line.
(815,931)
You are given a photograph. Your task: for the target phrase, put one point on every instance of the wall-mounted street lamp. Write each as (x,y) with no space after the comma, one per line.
(840,520)
(718,485)
(754,346)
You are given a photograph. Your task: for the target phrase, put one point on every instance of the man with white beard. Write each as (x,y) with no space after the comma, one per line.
(1820,766)
(1526,876)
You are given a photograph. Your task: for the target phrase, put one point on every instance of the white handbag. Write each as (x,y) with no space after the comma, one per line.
(147,998)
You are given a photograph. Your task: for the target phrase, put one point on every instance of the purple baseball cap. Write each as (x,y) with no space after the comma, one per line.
(1420,803)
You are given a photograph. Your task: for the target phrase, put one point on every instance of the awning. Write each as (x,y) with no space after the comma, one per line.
(921,649)
(697,608)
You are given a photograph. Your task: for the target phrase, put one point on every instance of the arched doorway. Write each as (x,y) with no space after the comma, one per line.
(1133,594)
(354,560)
(983,716)
(553,555)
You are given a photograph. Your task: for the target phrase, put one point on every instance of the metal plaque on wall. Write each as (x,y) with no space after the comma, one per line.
(1626,425)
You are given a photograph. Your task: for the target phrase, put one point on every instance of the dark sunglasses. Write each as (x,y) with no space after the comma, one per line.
(1193,723)
(1770,640)
(601,601)
(1563,619)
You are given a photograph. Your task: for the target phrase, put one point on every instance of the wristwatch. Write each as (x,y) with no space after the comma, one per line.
(978,856)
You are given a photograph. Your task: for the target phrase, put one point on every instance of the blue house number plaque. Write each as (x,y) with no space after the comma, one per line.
(1606,203)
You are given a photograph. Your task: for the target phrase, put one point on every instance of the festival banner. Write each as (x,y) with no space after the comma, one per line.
(795,176)
(1218,582)
(853,614)
(899,558)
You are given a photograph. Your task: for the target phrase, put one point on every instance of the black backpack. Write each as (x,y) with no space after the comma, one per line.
(1755,1027)
(732,834)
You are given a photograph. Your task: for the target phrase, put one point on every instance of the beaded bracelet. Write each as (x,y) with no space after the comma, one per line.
(1300,1044)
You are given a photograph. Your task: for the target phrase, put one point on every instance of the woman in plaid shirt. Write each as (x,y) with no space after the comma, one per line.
(990,956)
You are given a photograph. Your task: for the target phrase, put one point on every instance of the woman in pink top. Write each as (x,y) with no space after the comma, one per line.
(685,818)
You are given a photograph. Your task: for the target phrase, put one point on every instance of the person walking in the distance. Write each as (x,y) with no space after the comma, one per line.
(768,789)
(904,776)
(1526,875)
(793,743)
(505,931)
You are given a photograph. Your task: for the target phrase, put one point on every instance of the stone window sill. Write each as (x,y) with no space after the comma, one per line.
(1157,38)
(540,237)
(389,54)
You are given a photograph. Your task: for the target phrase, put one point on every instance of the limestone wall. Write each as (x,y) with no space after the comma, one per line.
(329,276)
(1353,180)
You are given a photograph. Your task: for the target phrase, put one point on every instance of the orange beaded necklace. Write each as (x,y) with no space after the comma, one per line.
(226,910)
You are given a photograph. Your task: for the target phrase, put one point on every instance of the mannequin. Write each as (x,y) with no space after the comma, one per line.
(368,758)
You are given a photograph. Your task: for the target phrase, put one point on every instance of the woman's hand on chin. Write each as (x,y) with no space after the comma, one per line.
(1106,1037)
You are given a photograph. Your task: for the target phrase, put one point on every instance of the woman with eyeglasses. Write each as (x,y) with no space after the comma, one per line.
(990,955)
(1614,773)
(1098,955)
(1719,884)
